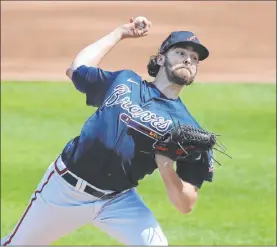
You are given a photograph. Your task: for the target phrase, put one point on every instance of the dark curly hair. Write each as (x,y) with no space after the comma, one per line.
(152,67)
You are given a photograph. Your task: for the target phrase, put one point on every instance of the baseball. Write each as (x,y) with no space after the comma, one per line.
(140,22)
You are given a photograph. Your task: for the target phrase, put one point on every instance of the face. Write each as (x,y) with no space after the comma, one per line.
(180,64)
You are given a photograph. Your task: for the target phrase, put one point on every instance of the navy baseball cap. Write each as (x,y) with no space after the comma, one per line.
(186,38)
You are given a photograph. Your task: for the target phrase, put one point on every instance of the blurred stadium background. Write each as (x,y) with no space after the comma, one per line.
(235,95)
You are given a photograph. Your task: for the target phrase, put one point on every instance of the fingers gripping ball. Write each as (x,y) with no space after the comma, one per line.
(141,22)
(137,27)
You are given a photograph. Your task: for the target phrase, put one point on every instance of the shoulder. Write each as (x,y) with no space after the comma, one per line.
(185,116)
(85,71)
(131,75)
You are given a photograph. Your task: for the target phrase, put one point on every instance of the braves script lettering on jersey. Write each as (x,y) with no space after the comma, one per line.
(136,111)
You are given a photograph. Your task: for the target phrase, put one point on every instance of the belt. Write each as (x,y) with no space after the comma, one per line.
(72,180)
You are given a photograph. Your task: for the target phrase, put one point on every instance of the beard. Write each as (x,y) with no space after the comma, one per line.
(178,74)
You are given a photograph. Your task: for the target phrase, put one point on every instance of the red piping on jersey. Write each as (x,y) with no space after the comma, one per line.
(29,206)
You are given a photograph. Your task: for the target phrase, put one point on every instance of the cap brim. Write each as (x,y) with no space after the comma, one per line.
(200,49)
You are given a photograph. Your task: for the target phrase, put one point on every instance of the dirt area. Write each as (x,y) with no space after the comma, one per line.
(40,39)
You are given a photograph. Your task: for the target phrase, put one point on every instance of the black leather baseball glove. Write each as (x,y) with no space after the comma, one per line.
(186,143)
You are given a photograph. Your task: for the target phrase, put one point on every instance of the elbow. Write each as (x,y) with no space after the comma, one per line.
(185,209)
(186,205)
(188,199)
(69,73)
(79,84)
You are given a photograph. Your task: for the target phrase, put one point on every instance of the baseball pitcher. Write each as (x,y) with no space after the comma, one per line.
(139,126)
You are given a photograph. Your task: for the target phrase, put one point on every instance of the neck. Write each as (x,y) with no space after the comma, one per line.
(169,89)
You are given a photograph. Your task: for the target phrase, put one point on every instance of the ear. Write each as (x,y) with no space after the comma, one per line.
(160,59)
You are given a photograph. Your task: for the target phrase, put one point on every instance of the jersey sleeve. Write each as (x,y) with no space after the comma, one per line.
(196,171)
(94,82)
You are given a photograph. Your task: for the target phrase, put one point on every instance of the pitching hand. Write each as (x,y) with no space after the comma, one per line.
(137,27)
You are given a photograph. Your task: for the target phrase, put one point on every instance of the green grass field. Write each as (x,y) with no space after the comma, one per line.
(238,208)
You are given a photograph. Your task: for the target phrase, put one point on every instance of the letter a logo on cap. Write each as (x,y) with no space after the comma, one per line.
(192,38)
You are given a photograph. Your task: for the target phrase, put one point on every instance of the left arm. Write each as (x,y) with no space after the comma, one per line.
(183,195)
